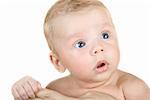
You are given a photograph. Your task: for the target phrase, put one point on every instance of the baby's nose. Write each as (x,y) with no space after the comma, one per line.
(97,49)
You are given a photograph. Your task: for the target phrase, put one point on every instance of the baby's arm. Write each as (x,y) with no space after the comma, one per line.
(135,89)
(25,88)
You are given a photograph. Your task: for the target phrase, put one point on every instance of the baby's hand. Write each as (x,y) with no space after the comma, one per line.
(25,88)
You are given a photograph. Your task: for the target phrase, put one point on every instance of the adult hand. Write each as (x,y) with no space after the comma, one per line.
(47,94)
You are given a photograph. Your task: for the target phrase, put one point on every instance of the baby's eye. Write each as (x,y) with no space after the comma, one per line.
(105,35)
(80,44)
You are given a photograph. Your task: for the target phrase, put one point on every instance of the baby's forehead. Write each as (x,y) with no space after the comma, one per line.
(100,17)
(94,11)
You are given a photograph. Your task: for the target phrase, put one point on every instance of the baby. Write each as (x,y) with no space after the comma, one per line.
(83,39)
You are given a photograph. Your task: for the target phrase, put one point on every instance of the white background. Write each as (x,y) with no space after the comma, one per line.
(24,51)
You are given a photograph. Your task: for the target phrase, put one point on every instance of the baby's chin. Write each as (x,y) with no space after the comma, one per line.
(94,82)
(104,77)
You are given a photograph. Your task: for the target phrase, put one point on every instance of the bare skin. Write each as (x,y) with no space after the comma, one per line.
(47,94)
(116,89)
(60,90)
(96,93)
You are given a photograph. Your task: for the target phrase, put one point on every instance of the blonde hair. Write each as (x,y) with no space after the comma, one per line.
(65,7)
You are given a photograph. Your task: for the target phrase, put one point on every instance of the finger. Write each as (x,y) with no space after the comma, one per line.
(28,89)
(39,85)
(47,94)
(22,93)
(36,86)
(15,94)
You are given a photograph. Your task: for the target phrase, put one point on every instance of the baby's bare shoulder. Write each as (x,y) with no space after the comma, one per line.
(129,80)
(59,84)
(133,87)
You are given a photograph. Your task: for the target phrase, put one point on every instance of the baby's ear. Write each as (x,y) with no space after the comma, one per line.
(56,62)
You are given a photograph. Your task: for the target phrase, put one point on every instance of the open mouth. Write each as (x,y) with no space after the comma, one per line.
(101,66)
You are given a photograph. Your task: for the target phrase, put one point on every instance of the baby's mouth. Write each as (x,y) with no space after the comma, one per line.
(101,66)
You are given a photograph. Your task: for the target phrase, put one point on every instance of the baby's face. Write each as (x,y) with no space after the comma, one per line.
(86,44)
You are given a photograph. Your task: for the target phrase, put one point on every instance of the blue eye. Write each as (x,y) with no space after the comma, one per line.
(80,44)
(105,35)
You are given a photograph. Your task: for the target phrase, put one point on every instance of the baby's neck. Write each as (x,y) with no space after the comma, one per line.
(80,84)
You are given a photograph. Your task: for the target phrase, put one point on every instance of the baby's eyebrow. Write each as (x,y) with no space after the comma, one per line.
(75,36)
(105,25)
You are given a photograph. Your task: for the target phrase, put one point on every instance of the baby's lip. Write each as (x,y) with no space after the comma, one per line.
(101,66)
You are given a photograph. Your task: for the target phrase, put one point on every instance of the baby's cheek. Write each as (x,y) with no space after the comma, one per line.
(81,71)
(114,56)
